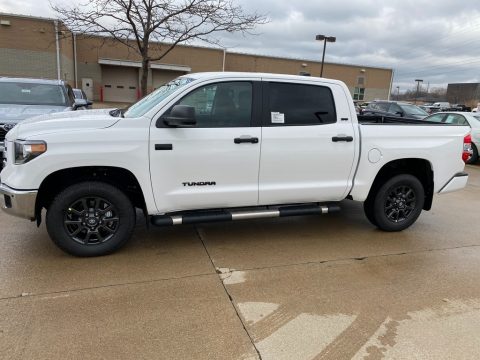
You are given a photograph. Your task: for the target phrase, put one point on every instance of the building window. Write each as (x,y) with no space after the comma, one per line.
(358,93)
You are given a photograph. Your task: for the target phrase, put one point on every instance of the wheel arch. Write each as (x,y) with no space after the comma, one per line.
(420,168)
(57,181)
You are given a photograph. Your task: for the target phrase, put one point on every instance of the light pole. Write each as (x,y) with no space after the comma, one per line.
(398,93)
(325,39)
(418,88)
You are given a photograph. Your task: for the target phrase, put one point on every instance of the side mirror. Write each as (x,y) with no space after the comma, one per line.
(180,116)
(79,103)
(399,113)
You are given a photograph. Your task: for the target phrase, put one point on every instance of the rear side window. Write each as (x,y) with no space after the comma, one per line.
(298,104)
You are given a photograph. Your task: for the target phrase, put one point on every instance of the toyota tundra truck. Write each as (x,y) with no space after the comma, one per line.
(219,147)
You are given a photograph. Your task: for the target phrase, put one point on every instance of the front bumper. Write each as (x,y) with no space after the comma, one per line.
(459,181)
(19,203)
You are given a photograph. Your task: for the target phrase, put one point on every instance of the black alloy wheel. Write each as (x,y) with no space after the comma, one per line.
(399,203)
(396,204)
(91,220)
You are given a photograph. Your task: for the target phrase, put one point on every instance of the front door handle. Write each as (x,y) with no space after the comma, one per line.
(342,138)
(241,140)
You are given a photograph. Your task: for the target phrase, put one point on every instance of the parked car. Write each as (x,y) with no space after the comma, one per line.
(442,105)
(462,118)
(21,99)
(190,152)
(80,94)
(459,107)
(394,108)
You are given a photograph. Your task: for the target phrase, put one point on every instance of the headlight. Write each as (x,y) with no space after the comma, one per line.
(26,150)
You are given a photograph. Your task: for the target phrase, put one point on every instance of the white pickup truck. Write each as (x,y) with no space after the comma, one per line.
(223,146)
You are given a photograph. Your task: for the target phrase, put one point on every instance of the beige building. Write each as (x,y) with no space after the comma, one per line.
(109,71)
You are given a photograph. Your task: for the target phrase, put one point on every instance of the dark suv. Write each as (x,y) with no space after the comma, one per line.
(394,108)
(21,99)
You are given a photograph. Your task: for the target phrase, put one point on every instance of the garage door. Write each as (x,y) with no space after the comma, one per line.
(161,77)
(120,83)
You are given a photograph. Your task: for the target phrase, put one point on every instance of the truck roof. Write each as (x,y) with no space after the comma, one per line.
(221,74)
(31,80)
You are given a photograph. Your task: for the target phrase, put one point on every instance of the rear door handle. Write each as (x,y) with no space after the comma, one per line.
(342,138)
(241,140)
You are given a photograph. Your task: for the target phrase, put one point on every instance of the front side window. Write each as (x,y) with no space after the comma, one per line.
(298,104)
(359,93)
(70,94)
(32,94)
(226,104)
(395,109)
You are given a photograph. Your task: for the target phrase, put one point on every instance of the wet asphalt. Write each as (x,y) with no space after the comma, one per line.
(312,287)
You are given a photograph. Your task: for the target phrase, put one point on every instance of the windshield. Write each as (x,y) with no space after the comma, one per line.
(31,94)
(143,106)
(413,110)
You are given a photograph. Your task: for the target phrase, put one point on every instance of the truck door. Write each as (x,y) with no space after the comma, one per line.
(215,163)
(308,150)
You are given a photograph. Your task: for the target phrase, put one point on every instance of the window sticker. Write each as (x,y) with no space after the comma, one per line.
(278,118)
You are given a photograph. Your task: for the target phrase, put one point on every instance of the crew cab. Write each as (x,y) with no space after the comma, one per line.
(220,147)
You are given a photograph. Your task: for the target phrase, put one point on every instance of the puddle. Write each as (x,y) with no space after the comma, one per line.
(445,332)
(304,337)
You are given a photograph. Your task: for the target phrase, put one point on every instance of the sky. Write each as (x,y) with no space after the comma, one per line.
(436,41)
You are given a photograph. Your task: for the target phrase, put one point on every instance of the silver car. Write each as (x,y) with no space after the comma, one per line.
(21,99)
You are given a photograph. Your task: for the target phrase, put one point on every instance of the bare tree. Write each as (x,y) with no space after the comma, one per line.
(138,23)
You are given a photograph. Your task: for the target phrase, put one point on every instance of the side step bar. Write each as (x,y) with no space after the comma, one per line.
(227,215)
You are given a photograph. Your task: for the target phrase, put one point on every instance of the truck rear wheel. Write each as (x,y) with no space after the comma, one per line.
(397,204)
(90,219)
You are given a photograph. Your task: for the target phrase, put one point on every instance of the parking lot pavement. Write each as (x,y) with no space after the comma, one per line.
(327,287)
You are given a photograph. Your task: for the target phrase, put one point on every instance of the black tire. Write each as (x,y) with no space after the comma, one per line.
(397,204)
(90,219)
(474,158)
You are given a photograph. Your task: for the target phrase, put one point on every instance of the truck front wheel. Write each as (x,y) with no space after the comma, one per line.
(90,219)
(396,204)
